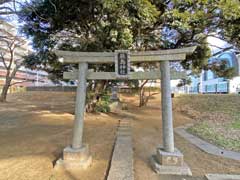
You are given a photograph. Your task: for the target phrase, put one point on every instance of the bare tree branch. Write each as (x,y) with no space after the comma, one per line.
(55,8)
(6,10)
(9,46)
(3,59)
(11,51)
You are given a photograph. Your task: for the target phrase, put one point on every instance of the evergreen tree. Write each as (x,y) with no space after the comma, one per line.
(96,25)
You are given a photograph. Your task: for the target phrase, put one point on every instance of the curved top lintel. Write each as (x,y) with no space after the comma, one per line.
(140,56)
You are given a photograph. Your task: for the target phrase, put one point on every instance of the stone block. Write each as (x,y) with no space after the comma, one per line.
(222,177)
(169,159)
(171,163)
(75,158)
(170,170)
(115,106)
(80,154)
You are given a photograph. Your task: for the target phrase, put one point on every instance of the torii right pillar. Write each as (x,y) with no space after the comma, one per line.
(168,159)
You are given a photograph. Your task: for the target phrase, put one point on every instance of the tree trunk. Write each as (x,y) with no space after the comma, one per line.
(9,77)
(141,97)
(6,86)
(141,94)
(99,87)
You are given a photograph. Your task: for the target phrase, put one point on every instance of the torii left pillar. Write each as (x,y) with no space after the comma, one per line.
(76,156)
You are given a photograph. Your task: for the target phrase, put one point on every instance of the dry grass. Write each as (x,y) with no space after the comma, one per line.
(217,118)
(147,135)
(36,126)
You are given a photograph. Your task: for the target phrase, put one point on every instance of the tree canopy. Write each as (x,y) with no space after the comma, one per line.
(97,25)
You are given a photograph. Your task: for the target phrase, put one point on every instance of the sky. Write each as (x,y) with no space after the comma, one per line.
(12,18)
(213,42)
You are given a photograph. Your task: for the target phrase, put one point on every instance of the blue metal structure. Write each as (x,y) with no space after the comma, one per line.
(208,82)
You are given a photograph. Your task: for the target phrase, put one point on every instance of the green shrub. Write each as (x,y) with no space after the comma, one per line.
(103,104)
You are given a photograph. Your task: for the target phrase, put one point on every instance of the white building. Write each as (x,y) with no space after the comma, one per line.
(26,76)
(208,82)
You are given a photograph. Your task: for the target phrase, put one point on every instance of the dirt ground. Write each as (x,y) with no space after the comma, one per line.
(35,129)
(36,126)
(147,136)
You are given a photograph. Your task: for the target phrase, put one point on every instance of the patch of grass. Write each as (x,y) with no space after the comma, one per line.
(236,121)
(236,125)
(204,131)
(220,130)
(52,177)
(104,104)
(211,103)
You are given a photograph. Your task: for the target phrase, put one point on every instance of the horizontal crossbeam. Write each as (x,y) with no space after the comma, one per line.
(152,75)
(108,57)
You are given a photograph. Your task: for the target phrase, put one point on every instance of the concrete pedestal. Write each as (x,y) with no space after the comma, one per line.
(169,163)
(75,158)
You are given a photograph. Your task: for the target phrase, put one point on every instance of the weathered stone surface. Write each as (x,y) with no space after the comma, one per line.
(80,106)
(171,170)
(74,158)
(114,96)
(207,147)
(123,134)
(115,106)
(108,57)
(132,75)
(167,117)
(80,154)
(222,177)
(122,159)
(170,159)
(73,165)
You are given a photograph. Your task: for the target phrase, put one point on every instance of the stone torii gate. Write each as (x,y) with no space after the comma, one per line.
(168,159)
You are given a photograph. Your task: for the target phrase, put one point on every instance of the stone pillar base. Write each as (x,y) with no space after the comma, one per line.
(169,163)
(74,158)
(115,106)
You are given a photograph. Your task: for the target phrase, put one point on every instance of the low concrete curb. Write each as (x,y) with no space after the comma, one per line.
(122,159)
(205,146)
(222,177)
